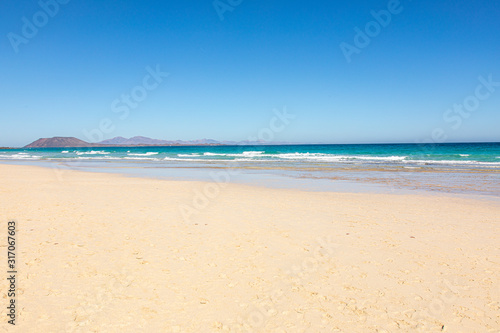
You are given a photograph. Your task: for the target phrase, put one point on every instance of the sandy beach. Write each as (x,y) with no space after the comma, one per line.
(107,253)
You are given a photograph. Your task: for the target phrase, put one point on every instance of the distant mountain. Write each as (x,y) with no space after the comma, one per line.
(205,142)
(144,141)
(115,141)
(59,142)
(63,142)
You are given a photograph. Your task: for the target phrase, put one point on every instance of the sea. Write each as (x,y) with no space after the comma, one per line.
(466,168)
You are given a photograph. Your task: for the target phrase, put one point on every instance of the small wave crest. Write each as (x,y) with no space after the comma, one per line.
(188,155)
(337,158)
(151,153)
(22,156)
(214,154)
(92,152)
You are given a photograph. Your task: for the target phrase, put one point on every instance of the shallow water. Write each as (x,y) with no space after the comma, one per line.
(472,168)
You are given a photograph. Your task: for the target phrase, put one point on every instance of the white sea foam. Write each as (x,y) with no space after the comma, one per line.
(214,154)
(92,152)
(100,158)
(302,157)
(379,158)
(464,155)
(244,154)
(181,159)
(188,155)
(253,153)
(22,156)
(261,156)
(337,158)
(145,154)
(141,158)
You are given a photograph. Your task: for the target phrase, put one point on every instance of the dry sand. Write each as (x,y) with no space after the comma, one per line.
(107,253)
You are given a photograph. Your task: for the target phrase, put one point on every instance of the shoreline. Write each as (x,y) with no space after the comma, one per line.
(461,168)
(262,178)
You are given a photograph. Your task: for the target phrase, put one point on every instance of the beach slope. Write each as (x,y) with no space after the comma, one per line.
(108,253)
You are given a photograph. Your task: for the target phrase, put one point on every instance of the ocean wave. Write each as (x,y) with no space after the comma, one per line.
(214,154)
(151,153)
(253,153)
(381,158)
(141,158)
(291,158)
(101,158)
(182,159)
(337,158)
(262,156)
(22,156)
(243,154)
(188,155)
(92,152)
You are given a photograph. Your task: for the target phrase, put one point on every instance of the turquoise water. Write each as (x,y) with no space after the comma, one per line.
(471,168)
(461,154)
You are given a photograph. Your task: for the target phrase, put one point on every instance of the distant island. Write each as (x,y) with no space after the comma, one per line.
(136,141)
(60,142)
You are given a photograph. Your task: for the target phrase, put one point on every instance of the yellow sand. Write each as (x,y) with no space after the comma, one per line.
(107,253)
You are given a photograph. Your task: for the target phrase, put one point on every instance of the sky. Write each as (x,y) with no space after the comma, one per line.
(286,71)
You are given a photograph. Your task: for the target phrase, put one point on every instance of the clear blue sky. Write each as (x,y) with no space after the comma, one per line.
(227,76)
